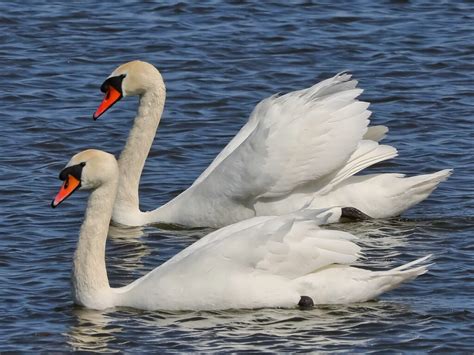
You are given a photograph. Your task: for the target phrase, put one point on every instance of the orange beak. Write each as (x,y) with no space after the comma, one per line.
(111,97)
(70,185)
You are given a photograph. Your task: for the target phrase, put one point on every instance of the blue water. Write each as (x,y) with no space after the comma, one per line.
(415,60)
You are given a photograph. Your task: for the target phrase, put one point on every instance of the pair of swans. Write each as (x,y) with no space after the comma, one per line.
(319,137)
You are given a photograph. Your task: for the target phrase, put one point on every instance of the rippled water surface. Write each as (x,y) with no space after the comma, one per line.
(413,58)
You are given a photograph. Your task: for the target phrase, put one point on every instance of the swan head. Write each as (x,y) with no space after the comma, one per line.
(86,170)
(129,79)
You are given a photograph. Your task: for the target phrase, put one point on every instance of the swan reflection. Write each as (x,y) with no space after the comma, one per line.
(92,331)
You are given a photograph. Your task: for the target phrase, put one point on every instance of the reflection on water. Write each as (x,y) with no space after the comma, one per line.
(380,240)
(92,330)
(119,232)
(328,327)
(125,251)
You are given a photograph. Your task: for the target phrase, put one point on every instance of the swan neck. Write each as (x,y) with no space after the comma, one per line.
(133,157)
(89,276)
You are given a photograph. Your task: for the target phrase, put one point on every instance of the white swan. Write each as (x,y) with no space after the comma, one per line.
(260,262)
(296,149)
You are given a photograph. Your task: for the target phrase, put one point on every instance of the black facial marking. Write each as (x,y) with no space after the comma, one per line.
(75,170)
(353,214)
(115,82)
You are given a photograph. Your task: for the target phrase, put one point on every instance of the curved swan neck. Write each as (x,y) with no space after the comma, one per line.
(89,276)
(132,159)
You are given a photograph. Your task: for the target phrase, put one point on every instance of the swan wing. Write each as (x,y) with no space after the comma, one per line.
(288,246)
(298,248)
(251,226)
(308,134)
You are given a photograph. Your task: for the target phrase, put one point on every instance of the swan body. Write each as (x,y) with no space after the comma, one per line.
(298,149)
(260,262)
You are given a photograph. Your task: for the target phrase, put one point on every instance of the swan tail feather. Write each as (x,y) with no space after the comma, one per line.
(407,192)
(413,263)
(388,195)
(383,281)
(423,185)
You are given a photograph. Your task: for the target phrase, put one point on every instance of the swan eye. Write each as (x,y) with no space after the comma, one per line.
(83,164)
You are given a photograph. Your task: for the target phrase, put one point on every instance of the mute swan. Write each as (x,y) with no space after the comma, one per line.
(260,262)
(296,149)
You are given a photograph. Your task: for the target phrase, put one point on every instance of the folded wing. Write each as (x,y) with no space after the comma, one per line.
(287,246)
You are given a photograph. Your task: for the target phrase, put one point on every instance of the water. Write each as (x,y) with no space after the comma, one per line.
(413,58)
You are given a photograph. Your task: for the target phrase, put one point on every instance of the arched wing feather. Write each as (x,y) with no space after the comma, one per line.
(309,133)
